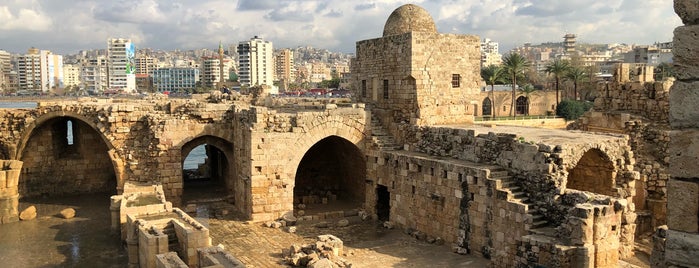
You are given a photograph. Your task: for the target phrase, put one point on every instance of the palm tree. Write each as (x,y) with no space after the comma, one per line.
(575,74)
(492,74)
(515,65)
(558,68)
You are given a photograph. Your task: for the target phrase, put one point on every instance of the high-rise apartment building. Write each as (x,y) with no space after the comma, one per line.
(93,75)
(5,70)
(121,64)
(146,65)
(569,43)
(29,71)
(255,61)
(490,54)
(52,78)
(71,75)
(210,71)
(284,67)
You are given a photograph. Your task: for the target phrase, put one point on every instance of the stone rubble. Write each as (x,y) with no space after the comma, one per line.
(325,252)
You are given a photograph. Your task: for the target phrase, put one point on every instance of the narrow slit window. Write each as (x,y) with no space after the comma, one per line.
(385,89)
(455,80)
(69,132)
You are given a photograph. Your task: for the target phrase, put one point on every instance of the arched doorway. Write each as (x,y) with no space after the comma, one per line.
(487,107)
(331,176)
(522,105)
(593,173)
(65,156)
(207,169)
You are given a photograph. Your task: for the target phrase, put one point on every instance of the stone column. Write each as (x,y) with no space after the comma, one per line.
(9,195)
(682,242)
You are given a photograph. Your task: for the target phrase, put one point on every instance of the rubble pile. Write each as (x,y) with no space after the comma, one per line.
(325,252)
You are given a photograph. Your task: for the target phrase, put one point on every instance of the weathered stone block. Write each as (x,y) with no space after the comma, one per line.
(683,98)
(685,147)
(683,198)
(688,10)
(682,248)
(686,52)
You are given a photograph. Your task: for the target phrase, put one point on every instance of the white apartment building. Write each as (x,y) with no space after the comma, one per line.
(210,71)
(5,69)
(39,70)
(256,62)
(93,75)
(71,75)
(490,54)
(121,64)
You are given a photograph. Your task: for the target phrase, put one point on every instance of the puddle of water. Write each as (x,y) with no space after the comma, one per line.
(50,241)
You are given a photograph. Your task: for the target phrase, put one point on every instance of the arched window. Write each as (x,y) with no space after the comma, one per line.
(487,107)
(522,105)
(69,132)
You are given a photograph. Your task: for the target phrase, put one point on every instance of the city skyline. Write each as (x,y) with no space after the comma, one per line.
(66,27)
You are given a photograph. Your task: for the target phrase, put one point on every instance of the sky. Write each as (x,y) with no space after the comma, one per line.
(67,26)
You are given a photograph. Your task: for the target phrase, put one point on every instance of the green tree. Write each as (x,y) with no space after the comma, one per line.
(664,70)
(493,74)
(558,68)
(576,75)
(572,109)
(515,65)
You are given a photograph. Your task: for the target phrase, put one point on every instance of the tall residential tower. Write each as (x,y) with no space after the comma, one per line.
(256,61)
(121,64)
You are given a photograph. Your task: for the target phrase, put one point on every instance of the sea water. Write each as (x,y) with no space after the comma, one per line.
(17,104)
(195,157)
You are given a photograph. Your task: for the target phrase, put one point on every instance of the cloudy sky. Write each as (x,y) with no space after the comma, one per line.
(66,26)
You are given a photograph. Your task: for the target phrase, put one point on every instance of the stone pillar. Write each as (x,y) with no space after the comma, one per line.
(9,195)
(682,242)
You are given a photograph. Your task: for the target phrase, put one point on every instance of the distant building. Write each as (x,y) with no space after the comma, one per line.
(490,54)
(5,70)
(93,75)
(71,75)
(40,70)
(210,71)
(651,55)
(256,62)
(175,79)
(121,64)
(146,65)
(284,67)
(569,43)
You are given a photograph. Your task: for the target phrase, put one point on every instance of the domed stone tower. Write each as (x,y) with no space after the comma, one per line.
(416,75)
(409,18)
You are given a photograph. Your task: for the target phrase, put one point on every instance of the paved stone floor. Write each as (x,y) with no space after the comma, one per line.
(366,243)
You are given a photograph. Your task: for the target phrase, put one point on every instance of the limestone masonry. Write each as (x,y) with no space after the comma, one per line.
(405,151)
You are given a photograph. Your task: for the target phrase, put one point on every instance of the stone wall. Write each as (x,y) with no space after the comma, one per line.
(682,240)
(541,102)
(649,100)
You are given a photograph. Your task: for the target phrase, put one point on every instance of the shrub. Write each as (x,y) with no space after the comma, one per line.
(571,109)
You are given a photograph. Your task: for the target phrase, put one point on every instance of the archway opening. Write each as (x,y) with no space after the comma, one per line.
(66,164)
(330,177)
(593,173)
(65,156)
(522,105)
(487,107)
(207,172)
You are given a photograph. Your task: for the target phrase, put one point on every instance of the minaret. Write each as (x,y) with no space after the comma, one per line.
(220,65)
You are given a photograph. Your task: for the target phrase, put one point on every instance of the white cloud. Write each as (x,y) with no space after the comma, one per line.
(24,19)
(332,24)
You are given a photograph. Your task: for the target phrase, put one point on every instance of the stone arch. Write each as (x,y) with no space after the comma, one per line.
(333,168)
(522,105)
(594,172)
(323,130)
(221,161)
(487,107)
(56,165)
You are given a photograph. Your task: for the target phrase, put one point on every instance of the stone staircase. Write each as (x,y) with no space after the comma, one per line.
(381,138)
(172,242)
(536,222)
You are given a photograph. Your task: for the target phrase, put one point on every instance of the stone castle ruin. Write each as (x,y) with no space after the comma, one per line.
(405,151)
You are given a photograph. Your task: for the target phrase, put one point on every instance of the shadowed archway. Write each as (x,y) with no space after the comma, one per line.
(593,173)
(331,172)
(213,176)
(65,156)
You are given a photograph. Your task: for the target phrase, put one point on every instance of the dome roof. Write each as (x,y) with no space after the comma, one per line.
(409,18)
